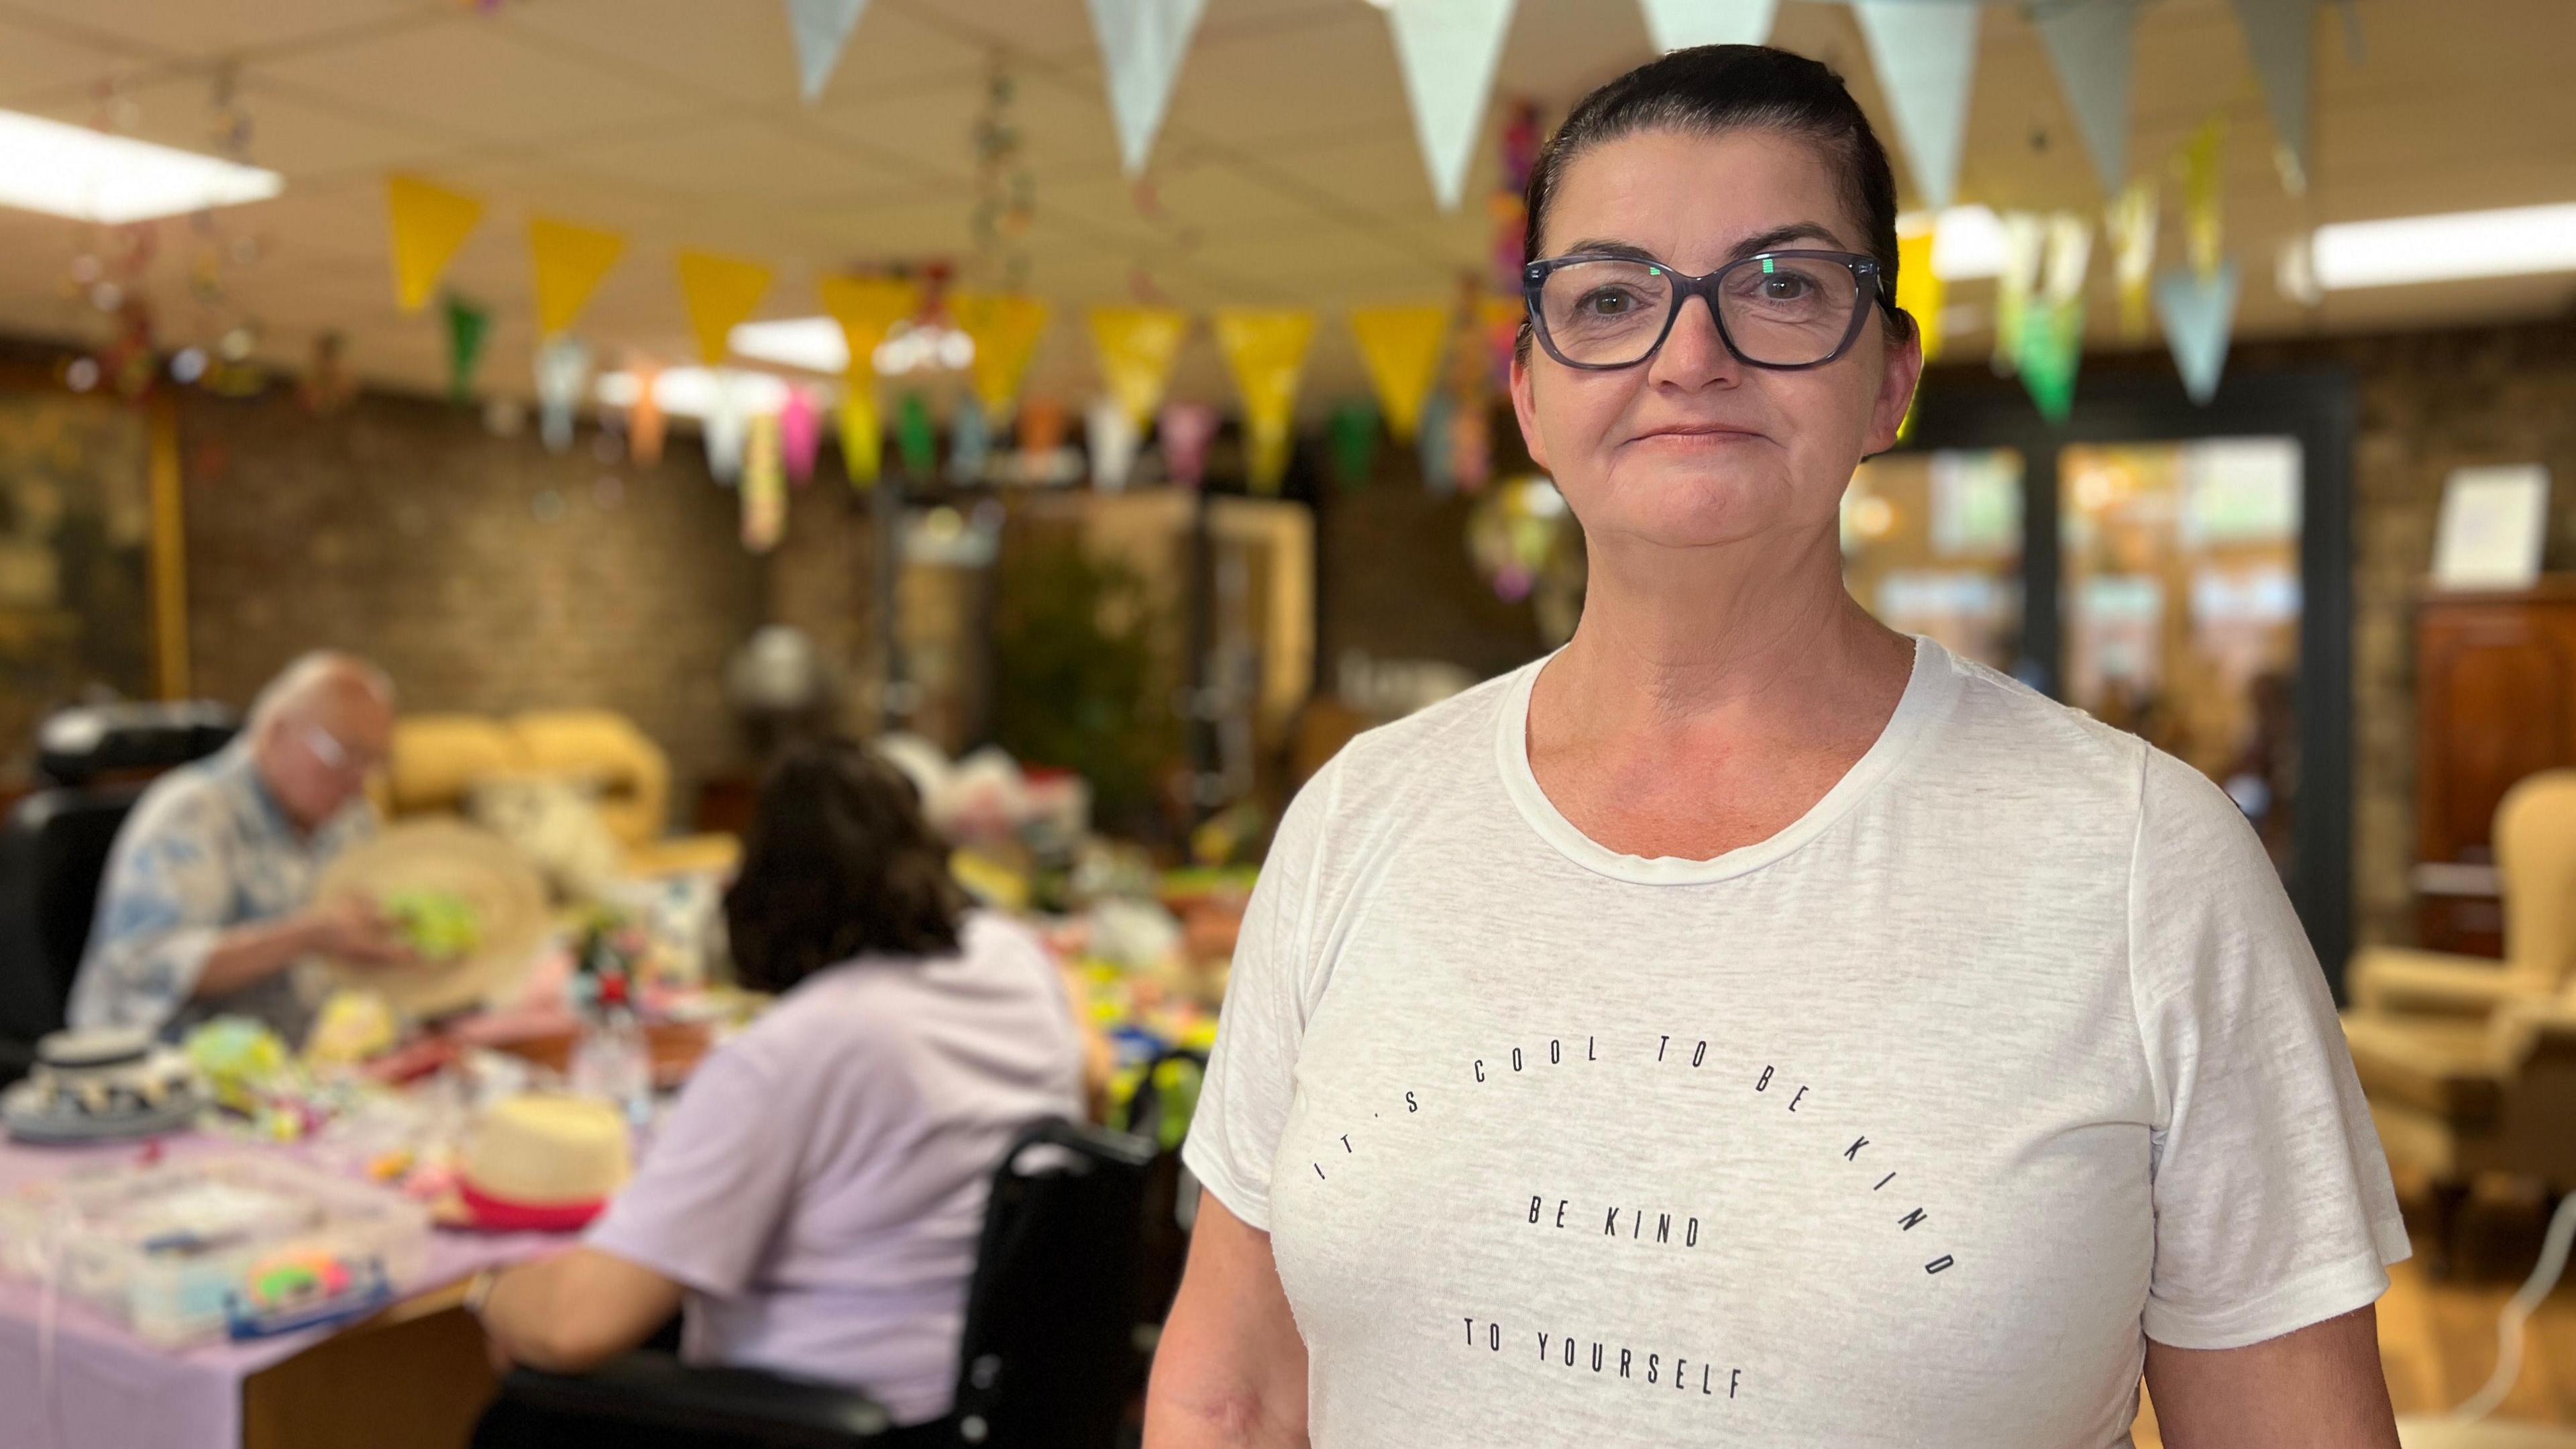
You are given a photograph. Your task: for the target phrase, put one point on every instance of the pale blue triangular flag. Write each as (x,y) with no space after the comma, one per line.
(1447,50)
(2279,36)
(1677,24)
(970,442)
(1111,432)
(821,27)
(2199,313)
(1141,44)
(727,425)
(1925,52)
(2090,46)
(563,367)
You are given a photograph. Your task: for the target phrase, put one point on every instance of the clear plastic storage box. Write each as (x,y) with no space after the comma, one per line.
(236,1246)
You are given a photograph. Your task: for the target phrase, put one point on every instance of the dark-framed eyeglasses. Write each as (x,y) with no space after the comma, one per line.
(1784,310)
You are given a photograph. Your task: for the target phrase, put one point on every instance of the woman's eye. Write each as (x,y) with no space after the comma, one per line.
(1608,303)
(1785,287)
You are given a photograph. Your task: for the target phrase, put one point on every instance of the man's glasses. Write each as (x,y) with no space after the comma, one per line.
(1786,310)
(325,747)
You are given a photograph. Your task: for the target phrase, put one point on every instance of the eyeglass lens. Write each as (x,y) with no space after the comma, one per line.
(1777,311)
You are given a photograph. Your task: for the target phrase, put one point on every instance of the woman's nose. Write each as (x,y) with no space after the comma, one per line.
(1693,354)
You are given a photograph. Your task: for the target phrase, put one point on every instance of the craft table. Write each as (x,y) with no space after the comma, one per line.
(412,1374)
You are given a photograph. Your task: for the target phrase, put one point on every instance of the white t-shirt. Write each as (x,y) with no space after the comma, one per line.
(1908,1125)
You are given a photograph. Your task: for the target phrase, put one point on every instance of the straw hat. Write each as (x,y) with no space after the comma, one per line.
(502,891)
(540,1164)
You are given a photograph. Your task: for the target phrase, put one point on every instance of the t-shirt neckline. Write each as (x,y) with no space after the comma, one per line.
(1928,693)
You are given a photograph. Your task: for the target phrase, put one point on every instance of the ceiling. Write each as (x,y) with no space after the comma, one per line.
(1286,171)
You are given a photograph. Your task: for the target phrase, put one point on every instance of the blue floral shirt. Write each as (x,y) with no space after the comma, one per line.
(206,849)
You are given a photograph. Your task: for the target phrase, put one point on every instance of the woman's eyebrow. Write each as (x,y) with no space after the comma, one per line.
(1783,235)
(1597,247)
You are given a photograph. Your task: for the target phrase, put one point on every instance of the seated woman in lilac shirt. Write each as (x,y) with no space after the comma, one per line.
(815,1196)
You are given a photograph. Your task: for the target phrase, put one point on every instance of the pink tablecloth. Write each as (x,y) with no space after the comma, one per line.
(106,1389)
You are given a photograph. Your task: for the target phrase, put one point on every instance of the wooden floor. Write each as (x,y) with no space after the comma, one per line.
(2437,1337)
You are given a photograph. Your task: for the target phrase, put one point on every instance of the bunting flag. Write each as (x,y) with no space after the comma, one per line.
(1041,429)
(2279,36)
(1005,329)
(1112,435)
(2090,45)
(1354,431)
(645,424)
(800,436)
(916,437)
(1471,445)
(1926,58)
(1431,446)
(1141,46)
(1185,431)
(2052,346)
(467,325)
(2131,226)
(2069,257)
(970,443)
(429,223)
(1679,24)
(764,491)
(2202,219)
(2198,313)
(1401,346)
(2025,249)
(1447,50)
(726,426)
(862,435)
(867,309)
(1919,289)
(562,370)
(821,28)
(1265,349)
(569,261)
(1136,347)
(721,292)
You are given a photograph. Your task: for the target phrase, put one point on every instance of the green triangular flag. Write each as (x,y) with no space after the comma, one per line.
(466,324)
(2052,342)
(917,436)
(1354,433)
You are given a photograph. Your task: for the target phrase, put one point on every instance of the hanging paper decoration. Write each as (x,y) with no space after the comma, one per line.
(645,424)
(1447,50)
(721,292)
(429,223)
(1919,290)
(2050,344)
(2202,220)
(862,434)
(1401,348)
(867,309)
(2090,46)
(1265,349)
(1509,204)
(569,262)
(1926,58)
(1677,24)
(1431,444)
(1136,347)
(562,370)
(1354,434)
(327,386)
(467,325)
(800,435)
(2279,35)
(2025,248)
(1005,187)
(970,443)
(764,491)
(821,28)
(1141,45)
(1041,427)
(1005,329)
(1112,437)
(1471,445)
(1185,431)
(726,427)
(916,436)
(2198,313)
(2131,226)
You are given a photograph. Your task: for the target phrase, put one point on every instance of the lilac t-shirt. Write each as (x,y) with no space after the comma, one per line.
(820,1185)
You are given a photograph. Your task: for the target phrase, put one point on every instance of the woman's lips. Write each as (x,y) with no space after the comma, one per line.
(1708,435)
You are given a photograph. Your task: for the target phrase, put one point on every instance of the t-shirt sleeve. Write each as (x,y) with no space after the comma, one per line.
(2273,1208)
(715,1184)
(1243,1105)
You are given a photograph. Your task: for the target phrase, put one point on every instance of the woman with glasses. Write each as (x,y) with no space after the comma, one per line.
(1749,1025)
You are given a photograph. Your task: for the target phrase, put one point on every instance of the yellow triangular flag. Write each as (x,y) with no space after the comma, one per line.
(429,223)
(1266,350)
(1137,345)
(862,434)
(1919,289)
(721,292)
(569,262)
(1006,331)
(867,309)
(1401,346)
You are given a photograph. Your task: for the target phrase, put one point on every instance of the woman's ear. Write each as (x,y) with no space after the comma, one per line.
(1525,410)
(1897,379)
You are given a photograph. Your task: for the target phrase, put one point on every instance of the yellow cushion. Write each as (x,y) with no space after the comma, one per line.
(436,758)
(631,772)
(2445,1066)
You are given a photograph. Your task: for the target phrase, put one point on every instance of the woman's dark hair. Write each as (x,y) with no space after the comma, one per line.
(838,863)
(1711,89)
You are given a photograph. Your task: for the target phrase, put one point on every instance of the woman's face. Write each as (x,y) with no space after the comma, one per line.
(1693,447)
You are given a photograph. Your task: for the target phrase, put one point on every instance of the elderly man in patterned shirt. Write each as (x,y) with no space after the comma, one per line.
(207,906)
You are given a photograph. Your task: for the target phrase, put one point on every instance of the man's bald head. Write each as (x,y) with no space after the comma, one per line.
(319,729)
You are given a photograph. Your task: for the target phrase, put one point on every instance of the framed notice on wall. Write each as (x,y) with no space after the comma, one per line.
(92,596)
(2493,523)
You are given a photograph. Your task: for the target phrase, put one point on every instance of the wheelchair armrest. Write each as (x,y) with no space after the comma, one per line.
(649,1388)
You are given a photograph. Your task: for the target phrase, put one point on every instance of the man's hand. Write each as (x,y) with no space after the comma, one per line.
(354,929)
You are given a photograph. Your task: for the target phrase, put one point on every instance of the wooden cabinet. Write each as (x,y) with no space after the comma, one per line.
(2495,690)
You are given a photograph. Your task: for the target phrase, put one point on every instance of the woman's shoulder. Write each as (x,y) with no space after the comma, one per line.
(2002,722)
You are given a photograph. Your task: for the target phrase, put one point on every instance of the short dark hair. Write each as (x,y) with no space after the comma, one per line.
(839,862)
(1711,89)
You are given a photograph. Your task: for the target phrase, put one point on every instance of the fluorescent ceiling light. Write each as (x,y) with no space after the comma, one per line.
(2448,247)
(812,343)
(690,392)
(89,175)
(1968,243)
